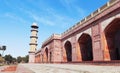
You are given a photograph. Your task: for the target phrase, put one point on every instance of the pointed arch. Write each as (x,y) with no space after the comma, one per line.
(112,36)
(46,54)
(68,49)
(85,45)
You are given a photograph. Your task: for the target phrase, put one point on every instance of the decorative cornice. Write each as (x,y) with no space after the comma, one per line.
(34,26)
(52,37)
(89,18)
(34,30)
(31,52)
(33,37)
(33,44)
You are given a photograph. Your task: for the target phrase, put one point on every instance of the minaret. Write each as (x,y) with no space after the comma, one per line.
(33,43)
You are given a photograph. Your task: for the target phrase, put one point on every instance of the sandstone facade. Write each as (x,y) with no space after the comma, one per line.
(95,38)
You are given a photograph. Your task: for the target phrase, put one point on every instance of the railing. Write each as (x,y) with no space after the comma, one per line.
(107,5)
(112,1)
(47,39)
(53,36)
(89,16)
(103,7)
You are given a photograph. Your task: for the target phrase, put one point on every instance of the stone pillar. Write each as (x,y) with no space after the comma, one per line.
(105,48)
(31,57)
(33,43)
(96,42)
(57,57)
(63,54)
(74,53)
(78,52)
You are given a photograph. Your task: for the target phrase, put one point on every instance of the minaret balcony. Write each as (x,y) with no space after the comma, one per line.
(34,26)
(33,37)
(34,30)
(33,44)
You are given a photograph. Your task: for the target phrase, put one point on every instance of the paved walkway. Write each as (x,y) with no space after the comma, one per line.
(4,67)
(65,68)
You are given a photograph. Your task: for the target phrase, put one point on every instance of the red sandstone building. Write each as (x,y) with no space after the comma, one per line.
(95,38)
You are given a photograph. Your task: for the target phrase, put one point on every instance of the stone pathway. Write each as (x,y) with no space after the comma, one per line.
(8,69)
(4,69)
(66,68)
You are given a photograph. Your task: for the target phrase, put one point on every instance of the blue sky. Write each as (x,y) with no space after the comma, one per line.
(52,16)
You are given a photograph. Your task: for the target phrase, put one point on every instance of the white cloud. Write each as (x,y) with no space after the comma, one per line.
(43,20)
(71,5)
(80,11)
(15,18)
(51,18)
(38,18)
(67,3)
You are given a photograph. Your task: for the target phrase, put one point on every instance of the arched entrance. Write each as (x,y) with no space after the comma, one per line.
(46,54)
(85,43)
(112,34)
(68,49)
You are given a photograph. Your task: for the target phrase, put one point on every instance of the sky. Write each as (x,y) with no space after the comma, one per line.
(52,16)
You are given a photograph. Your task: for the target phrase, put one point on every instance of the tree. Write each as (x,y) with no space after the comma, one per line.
(26,59)
(8,58)
(19,59)
(14,59)
(22,59)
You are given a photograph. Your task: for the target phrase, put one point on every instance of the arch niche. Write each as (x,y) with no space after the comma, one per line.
(85,45)
(68,49)
(112,36)
(46,54)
